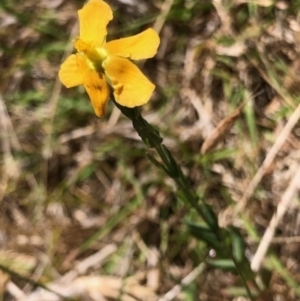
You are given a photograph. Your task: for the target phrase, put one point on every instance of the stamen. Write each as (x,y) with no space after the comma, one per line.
(94,55)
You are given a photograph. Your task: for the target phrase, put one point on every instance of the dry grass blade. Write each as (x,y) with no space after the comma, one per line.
(286,199)
(165,9)
(97,288)
(264,3)
(67,285)
(220,132)
(92,261)
(11,168)
(175,291)
(283,135)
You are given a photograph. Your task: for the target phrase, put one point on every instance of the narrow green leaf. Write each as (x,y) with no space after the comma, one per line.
(205,234)
(171,165)
(223,264)
(237,243)
(210,216)
(251,122)
(156,163)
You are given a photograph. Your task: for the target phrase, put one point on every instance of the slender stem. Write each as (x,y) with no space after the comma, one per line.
(152,139)
(240,272)
(182,182)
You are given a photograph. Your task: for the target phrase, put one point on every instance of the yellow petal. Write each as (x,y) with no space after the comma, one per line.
(131,87)
(140,46)
(93,19)
(72,71)
(98,91)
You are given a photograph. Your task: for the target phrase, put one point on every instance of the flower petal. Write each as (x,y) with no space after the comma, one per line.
(140,46)
(72,71)
(131,87)
(93,19)
(98,91)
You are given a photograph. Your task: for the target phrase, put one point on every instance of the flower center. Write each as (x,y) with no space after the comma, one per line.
(96,56)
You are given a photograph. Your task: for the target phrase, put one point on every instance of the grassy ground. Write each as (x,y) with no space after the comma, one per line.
(86,213)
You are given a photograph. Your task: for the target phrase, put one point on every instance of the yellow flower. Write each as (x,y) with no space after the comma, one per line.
(98,63)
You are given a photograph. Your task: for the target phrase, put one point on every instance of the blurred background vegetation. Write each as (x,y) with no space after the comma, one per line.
(85,212)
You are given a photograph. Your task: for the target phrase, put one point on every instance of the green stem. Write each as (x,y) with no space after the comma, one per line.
(240,272)
(152,139)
